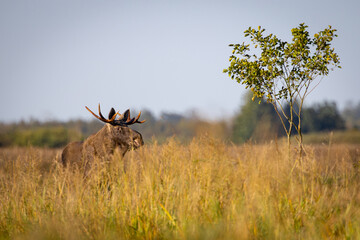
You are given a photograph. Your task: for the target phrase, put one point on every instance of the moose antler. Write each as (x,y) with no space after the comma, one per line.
(124,120)
(110,120)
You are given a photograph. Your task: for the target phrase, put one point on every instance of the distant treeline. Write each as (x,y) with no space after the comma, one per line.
(56,134)
(45,134)
(260,122)
(253,122)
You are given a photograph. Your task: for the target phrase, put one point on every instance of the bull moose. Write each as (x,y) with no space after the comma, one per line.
(114,135)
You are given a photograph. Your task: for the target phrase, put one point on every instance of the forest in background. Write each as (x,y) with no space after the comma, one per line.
(253,122)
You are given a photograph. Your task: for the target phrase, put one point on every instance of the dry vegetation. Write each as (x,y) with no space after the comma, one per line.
(203,190)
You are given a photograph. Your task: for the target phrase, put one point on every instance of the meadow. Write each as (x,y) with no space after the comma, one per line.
(206,189)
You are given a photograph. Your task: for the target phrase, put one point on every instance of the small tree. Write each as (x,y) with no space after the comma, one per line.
(283,72)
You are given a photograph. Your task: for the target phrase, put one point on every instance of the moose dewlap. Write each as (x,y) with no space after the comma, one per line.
(114,135)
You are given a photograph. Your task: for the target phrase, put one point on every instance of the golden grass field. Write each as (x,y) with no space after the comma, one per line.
(202,190)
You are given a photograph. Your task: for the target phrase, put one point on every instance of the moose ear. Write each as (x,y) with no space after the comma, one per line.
(111,113)
(126,115)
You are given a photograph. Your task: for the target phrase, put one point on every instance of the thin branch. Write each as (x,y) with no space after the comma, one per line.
(315,85)
(281,119)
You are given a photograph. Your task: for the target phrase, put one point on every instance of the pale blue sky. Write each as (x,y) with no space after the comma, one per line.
(57,56)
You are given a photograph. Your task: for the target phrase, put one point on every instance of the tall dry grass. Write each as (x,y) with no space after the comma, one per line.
(203,190)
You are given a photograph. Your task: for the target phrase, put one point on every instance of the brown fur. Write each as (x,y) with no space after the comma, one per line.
(101,145)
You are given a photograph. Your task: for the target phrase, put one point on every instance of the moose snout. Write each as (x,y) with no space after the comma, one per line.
(138,142)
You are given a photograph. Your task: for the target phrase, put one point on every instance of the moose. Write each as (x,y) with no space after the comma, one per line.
(114,135)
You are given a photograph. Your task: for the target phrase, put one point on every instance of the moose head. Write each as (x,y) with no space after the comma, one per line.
(116,134)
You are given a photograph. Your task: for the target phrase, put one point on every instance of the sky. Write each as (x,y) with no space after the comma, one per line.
(58,56)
